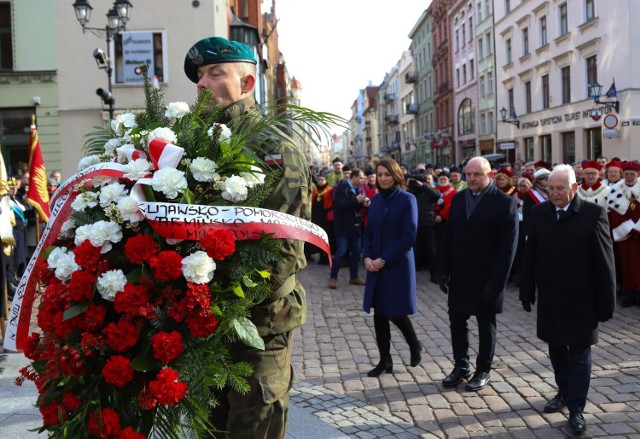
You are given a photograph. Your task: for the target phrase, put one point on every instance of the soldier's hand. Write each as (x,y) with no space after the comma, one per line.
(526,306)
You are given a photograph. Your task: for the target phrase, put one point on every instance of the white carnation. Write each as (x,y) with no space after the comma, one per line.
(253,178)
(198,268)
(225,132)
(111,145)
(110,283)
(124,152)
(235,189)
(100,234)
(55,255)
(63,262)
(123,123)
(87,161)
(84,200)
(204,169)
(170,181)
(67,228)
(176,110)
(129,210)
(137,169)
(111,194)
(162,133)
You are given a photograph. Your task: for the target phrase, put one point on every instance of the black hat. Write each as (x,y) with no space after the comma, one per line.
(337,160)
(369,171)
(444,174)
(455,169)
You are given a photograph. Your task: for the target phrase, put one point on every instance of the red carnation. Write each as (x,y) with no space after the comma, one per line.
(122,335)
(167,346)
(71,401)
(81,285)
(50,414)
(219,243)
(104,424)
(166,265)
(133,301)
(31,346)
(93,317)
(166,388)
(146,399)
(130,433)
(140,248)
(202,324)
(87,256)
(118,371)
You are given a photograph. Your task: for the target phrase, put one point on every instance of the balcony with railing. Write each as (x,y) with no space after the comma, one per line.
(410,77)
(389,97)
(412,108)
(392,118)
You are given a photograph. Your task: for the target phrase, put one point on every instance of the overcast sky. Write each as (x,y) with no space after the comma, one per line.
(336,47)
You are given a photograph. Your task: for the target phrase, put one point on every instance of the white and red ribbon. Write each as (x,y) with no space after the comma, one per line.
(170,220)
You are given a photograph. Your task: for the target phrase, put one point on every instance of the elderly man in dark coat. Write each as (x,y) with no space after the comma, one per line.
(569,259)
(478,247)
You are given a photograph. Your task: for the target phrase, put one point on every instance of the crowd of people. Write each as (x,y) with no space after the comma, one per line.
(515,215)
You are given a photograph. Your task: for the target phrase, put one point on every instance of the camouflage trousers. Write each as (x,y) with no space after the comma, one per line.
(262,412)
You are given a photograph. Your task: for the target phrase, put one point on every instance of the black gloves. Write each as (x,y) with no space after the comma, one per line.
(526,305)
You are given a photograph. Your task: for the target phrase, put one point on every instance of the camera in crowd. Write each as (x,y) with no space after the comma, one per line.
(366,201)
(420,175)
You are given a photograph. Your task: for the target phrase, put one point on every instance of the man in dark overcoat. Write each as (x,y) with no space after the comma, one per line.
(478,247)
(569,260)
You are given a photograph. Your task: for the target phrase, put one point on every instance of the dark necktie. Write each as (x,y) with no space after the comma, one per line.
(561,213)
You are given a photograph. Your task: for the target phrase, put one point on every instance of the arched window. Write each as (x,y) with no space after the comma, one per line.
(466,116)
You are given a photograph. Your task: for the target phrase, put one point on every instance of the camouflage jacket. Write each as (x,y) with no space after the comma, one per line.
(291,194)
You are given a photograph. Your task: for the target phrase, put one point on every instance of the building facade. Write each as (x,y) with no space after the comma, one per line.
(49,70)
(548,54)
(465,101)
(443,139)
(422,45)
(486,77)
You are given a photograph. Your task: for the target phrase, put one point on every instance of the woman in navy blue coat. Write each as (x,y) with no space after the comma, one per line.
(388,257)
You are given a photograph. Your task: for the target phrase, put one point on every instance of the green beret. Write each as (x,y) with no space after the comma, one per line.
(215,50)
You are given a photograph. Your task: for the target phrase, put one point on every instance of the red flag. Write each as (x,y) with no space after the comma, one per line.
(37,196)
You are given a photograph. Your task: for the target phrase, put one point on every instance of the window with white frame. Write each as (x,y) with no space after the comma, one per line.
(135,48)
(589,10)
(487,41)
(480,49)
(507,48)
(481,86)
(464,35)
(563,19)
(479,8)
(470,29)
(525,41)
(489,82)
(543,31)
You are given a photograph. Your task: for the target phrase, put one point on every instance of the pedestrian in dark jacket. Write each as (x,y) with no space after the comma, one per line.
(426,199)
(569,260)
(478,248)
(388,257)
(348,201)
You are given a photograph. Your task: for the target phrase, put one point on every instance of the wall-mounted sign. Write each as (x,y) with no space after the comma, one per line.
(624,123)
(137,49)
(610,121)
(508,145)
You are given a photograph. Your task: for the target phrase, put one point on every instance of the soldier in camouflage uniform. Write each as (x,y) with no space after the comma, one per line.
(227,68)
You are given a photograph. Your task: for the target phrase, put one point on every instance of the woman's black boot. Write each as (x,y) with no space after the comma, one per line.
(415,347)
(385,365)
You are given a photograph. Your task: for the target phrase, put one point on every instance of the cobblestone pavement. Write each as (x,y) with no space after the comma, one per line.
(336,347)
